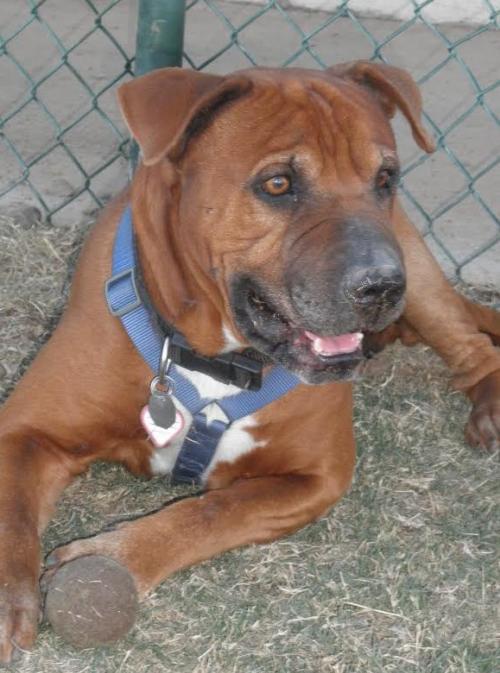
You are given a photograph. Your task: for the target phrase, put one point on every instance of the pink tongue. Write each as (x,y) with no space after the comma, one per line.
(335,345)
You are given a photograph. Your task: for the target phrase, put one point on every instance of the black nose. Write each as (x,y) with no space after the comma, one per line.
(376,285)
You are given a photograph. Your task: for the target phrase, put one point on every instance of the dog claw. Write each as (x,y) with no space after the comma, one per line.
(483,428)
(51,561)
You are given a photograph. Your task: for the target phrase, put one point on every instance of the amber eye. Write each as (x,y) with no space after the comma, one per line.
(277,185)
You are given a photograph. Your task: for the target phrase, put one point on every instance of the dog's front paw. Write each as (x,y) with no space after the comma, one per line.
(483,427)
(69,552)
(19,615)
(103,544)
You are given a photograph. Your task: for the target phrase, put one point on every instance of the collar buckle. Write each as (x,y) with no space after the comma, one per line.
(229,368)
(122,294)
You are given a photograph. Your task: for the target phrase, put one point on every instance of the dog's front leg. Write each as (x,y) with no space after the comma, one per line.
(436,314)
(32,477)
(193,530)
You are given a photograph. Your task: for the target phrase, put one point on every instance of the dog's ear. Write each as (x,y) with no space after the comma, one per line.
(394,88)
(166,107)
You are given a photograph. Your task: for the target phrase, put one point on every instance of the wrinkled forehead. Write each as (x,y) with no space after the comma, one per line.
(327,124)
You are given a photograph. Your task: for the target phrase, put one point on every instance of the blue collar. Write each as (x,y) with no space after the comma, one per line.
(141,324)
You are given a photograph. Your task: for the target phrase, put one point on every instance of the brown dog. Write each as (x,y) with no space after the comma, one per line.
(265,216)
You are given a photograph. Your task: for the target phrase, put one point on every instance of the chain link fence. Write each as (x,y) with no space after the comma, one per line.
(53,94)
(63,145)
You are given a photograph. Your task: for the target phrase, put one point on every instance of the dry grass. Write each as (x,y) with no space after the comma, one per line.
(401,576)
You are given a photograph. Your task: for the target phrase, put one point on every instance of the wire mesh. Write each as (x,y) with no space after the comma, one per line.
(56,61)
(458,213)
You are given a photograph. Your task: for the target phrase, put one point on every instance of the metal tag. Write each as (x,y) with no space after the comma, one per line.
(161,405)
(159,436)
(162,408)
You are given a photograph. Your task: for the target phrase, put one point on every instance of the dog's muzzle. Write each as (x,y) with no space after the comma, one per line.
(315,325)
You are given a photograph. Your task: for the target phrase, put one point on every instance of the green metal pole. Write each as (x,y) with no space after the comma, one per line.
(159,42)
(160,34)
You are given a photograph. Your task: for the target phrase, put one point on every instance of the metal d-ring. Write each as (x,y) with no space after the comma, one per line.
(163,380)
(165,362)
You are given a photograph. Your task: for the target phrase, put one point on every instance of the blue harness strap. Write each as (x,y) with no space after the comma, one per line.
(123,297)
(198,449)
(125,302)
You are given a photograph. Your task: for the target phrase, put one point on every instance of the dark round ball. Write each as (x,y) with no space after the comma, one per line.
(91,601)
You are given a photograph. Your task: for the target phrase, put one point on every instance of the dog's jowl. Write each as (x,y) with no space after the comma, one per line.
(222,307)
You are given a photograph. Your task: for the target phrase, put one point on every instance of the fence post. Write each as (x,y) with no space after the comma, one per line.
(159,43)
(160,34)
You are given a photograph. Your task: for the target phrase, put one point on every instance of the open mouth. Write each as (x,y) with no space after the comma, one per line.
(330,347)
(315,357)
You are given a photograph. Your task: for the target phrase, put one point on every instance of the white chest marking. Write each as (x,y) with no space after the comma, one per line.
(231,343)
(235,442)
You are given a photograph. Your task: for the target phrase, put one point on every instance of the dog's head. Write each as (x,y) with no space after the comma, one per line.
(278,189)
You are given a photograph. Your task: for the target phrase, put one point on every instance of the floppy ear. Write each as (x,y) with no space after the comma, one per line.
(166,107)
(394,88)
